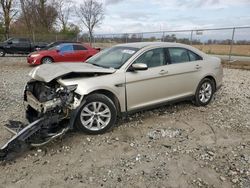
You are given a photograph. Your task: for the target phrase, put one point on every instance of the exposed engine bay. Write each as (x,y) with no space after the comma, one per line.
(50,110)
(47,98)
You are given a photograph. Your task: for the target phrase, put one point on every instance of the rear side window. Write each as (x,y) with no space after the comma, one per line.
(181,55)
(79,47)
(178,55)
(193,56)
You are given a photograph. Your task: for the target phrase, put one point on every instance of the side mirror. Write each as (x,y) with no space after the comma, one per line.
(57,50)
(9,42)
(138,67)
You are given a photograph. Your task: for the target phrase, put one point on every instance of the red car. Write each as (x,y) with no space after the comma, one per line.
(73,52)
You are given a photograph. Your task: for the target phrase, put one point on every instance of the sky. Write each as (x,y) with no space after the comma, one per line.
(126,16)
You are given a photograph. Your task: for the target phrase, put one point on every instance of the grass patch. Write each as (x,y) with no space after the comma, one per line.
(236,65)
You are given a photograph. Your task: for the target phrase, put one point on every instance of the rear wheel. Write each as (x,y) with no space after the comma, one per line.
(97,115)
(2,52)
(47,60)
(204,92)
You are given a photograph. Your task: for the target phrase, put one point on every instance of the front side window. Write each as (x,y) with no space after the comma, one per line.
(13,40)
(66,49)
(113,57)
(152,58)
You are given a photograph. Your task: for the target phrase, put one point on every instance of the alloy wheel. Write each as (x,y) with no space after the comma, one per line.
(205,92)
(47,61)
(95,116)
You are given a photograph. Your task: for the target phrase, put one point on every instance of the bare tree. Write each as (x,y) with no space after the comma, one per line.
(91,14)
(64,8)
(38,15)
(26,6)
(9,12)
(47,13)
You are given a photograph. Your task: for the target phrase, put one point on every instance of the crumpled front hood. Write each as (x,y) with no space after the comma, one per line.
(49,72)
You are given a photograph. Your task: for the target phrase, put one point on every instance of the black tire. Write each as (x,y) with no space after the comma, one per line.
(2,52)
(199,100)
(46,60)
(105,104)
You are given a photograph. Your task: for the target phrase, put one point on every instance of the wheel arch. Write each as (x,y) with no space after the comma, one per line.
(110,95)
(211,78)
(4,50)
(47,56)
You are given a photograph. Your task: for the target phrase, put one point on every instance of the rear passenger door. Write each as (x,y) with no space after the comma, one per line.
(81,53)
(184,71)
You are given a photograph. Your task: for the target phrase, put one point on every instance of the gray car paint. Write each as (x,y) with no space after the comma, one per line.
(132,89)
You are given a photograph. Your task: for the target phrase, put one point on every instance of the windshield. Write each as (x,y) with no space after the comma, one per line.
(113,57)
(10,39)
(52,48)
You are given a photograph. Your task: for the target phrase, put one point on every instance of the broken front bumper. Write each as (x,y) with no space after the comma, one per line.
(24,135)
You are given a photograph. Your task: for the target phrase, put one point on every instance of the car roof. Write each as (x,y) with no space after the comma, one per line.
(148,45)
(65,44)
(152,44)
(65,41)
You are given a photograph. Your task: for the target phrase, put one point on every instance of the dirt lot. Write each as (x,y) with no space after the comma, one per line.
(174,146)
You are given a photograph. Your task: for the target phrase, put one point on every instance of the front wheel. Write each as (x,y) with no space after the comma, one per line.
(47,60)
(2,52)
(204,92)
(97,115)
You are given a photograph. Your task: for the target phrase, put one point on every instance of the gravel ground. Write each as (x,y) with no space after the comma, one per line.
(174,146)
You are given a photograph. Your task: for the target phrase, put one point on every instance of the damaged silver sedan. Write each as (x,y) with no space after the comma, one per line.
(123,79)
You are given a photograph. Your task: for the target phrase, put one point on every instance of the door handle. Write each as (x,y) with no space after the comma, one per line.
(197,67)
(163,72)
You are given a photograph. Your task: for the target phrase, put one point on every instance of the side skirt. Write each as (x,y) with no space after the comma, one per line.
(188,98)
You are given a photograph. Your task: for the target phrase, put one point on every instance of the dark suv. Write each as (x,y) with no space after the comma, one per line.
(19,46)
